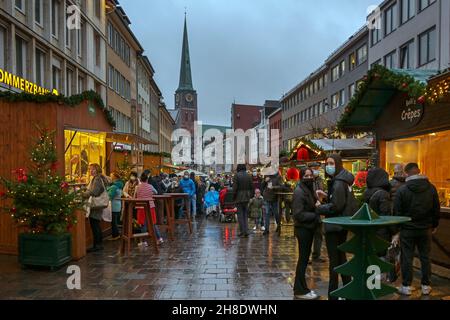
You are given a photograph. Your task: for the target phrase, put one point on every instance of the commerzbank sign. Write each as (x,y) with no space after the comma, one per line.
(19,83)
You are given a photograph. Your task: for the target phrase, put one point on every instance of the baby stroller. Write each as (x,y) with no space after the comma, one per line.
(228,209)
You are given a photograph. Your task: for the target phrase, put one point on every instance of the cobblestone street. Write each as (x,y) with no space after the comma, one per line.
(213,263)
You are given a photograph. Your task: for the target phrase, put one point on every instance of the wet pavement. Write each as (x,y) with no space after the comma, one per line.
(213,263)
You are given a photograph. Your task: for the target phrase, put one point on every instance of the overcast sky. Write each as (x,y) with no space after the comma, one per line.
(246,51)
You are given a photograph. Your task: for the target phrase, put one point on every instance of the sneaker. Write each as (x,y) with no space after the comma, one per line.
(309,296)
(263,228)
(255,228)
(426,290)
(406,291)
(160,241)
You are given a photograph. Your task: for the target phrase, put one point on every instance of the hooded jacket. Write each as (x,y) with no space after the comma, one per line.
(115,193)
(396,183)
(188,186)
(419,200)
(341,201)
(303,205)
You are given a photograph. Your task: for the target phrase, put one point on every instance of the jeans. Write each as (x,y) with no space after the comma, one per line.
(115,224)
(242,214)
(271,207)
(409,240)
(305,240)
(193,206)
(317,246)
(96,232)
(337,258)
(259,220)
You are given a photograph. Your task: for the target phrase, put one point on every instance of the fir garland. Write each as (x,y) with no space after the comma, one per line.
(148,153)
(379,74)
(71,101)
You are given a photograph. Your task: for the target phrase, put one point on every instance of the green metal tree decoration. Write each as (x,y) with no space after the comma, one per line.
(365,267)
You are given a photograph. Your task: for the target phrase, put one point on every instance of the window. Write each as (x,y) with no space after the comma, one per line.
(80,40)
(407,56)
(2,48)
(98,8)
(40,67)
(423,4)
(361,55)
(389,60)
(335,73)
(68,33)
(335,101)
(81,86)
(56,78)
(69,82)
(342,68)
(97,50)
(342,97)
(321,107)
(20,4)
(55,17)
(352,61)
(110,76)
(38,11)
(375,36)
(21,57)
(390,19)
(427,47)
(408,10)
(351,90)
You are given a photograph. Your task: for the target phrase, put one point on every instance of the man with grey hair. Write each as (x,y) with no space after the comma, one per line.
(398,179)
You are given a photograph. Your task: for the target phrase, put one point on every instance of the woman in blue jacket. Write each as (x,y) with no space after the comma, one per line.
(115,193)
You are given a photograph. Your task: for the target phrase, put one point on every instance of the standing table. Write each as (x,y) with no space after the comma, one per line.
(187,220)
(169,225)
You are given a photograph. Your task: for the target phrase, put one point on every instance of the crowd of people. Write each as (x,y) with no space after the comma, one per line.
(256,199)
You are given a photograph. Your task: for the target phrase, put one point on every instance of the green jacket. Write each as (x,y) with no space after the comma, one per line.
(255,207)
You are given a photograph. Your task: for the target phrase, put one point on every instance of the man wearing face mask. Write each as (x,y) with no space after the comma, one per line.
(256,180)
(271,185)
(341,203)
(188,187)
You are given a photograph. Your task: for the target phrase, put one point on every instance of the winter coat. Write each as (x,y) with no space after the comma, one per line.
(242,187)
(341,201)
(303,206)
(378,198)
(188,186)
(270,194)
(130,188)
(396,183)
(95,189)
(211,199)
(255,207)
(115,193)
(419,200)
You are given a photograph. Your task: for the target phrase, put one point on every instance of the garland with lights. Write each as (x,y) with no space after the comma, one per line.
(404,83)
(40,199)
(309,144)
(439,90)
(71,101)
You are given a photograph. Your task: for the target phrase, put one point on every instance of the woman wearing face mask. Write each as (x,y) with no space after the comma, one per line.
(130,187)
(306,223)
(341,202)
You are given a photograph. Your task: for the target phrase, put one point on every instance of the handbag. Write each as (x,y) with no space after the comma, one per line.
(100,202)
(107,213)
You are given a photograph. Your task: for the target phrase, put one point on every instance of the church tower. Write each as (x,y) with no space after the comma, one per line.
(186,96)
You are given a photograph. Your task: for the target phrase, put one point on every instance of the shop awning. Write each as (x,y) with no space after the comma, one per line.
(344,144)
(127,138)
(171,166)
(369,101)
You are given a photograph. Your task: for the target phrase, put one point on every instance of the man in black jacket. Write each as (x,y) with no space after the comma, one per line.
(243,192)
(418,200)
(270,186)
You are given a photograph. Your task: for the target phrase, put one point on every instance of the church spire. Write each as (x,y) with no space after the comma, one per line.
(185,70)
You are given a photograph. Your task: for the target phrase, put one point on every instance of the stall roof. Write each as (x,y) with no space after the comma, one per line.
(344,144)
(377,95)
(119,137)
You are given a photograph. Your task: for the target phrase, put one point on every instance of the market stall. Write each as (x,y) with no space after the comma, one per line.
(409,113)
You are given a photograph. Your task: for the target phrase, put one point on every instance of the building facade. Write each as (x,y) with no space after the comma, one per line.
(275,120)
(245,117)
(313,107)
(166,127)
(149,99)
(411,34)
(38,45)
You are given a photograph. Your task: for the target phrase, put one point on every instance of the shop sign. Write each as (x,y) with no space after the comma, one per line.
(412,113)
(19,83)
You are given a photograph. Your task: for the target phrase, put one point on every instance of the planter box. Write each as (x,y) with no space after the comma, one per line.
(45,250)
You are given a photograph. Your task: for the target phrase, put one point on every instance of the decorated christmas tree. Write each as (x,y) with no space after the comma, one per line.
(40,199)
(124,168)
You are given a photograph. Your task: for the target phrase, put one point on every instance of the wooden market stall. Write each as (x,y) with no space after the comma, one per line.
(410,129)
(81,131)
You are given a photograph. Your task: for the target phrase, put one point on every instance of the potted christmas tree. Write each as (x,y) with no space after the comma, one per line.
(42,204)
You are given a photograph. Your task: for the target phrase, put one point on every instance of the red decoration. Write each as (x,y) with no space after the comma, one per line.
(64,185)
(125,154)
(292,174)
(404,85)
(21,175)
(361,179)
(54,166)
(13,210)
(421,100)
(303,154)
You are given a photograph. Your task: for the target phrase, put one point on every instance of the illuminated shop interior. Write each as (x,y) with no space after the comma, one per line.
(431,152)
(83,149)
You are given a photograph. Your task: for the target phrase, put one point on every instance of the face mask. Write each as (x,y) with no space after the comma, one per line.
(316,173)
(331,170)
(255,174)
(186,177)
(309,183)
(133,178)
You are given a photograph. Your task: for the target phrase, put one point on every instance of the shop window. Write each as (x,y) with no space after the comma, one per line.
(83,149)
(431,152)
